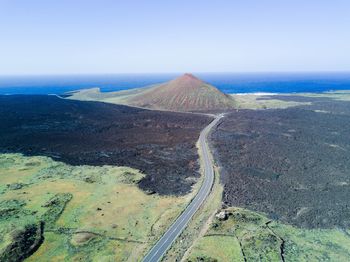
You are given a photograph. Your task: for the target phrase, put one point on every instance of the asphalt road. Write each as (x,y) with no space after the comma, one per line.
(165,242)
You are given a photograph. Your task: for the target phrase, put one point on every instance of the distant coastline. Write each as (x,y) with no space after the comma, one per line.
(230,83)
(256,94)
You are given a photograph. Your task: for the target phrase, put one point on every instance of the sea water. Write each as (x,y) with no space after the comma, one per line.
(227,82)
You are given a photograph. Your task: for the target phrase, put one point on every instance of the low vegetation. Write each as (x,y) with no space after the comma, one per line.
(288,164)
(256,101)
(244,235)
(51,211)
(341,95)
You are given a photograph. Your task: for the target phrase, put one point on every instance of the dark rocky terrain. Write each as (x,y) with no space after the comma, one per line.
(161,144)
(293,164)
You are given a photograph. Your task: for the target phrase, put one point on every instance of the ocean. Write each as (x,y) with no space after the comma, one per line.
(227,82)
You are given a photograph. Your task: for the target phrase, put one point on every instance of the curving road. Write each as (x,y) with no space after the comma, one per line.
(164,243)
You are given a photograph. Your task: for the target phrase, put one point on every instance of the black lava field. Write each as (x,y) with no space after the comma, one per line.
(160,144)
(293,164)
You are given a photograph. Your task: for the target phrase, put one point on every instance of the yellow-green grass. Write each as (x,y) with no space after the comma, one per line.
(222,248)
(253,101)
(254,237)
(94,94)
(342,95)
(119,220)
(257,101)
(313,245)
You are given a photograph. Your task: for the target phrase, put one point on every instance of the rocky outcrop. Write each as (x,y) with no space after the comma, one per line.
(22,242)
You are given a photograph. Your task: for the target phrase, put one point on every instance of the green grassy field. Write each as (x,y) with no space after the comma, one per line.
(250,236)
(251,101)
(342,95)
(87,213)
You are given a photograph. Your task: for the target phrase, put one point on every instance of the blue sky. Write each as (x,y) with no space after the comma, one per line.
(82,36)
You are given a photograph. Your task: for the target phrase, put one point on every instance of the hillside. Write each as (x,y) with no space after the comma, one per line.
(185,93)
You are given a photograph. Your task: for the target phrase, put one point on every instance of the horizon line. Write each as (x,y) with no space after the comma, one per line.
(177,73)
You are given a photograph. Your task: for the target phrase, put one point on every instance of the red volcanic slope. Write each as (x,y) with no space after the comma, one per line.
(185,93)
